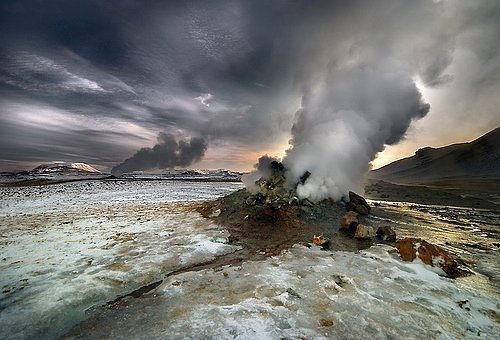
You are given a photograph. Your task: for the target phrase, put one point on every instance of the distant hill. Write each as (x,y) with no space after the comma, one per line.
(479,158)
(63,167)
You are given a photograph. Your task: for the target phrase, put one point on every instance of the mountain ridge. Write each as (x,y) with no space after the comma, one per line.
(64,167)
(478,158)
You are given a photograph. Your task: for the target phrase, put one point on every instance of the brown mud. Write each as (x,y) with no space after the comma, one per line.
(263,231)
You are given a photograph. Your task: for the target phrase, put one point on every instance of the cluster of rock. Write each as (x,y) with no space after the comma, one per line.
(350,222)
(272,193)
(272,190)
(408,248)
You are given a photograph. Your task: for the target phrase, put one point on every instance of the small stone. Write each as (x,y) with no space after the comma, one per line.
(349,220)
(293,293)
(462,304)
(386,233)
(317,240)
(364,232)
(325,323)
(320,241)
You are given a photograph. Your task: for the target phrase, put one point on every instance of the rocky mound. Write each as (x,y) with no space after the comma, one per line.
(272,217)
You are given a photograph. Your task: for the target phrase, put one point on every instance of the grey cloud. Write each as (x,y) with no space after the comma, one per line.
(167,154)
(146,63)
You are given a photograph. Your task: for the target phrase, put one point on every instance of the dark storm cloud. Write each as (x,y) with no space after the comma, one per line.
(91,29)
(147,66)
(167,154)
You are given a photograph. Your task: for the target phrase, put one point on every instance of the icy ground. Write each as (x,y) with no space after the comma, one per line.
(65,250)
(305,293)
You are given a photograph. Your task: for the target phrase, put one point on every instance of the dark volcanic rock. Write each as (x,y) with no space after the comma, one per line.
(410,248)
(386,233)
(362,209)
(358,204)
(279,229)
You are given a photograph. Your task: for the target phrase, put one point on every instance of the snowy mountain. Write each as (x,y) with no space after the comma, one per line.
(64,167)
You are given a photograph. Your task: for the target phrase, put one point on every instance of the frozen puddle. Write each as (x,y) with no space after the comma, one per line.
(305,293)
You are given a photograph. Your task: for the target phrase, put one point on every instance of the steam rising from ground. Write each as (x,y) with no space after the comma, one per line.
(262,169)
(168,153)
(358,89)
(344,121)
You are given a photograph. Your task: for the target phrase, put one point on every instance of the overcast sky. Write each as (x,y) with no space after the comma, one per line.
(95,81)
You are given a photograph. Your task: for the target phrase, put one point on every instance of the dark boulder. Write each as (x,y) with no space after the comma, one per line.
(358,204)
(386,233)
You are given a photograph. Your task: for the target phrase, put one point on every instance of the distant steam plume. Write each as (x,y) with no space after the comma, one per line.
(168,153)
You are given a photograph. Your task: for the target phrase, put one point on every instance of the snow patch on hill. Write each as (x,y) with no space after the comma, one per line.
(64,167)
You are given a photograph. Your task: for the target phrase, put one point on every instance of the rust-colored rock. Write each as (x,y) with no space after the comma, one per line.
(320,241)
(364,232)
(325,323)
(349,220)
(410,248)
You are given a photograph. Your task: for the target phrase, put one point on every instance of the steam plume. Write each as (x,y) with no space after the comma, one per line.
(168,153)
(262,169)
(344,121)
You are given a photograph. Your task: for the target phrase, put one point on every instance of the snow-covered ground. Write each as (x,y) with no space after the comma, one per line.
(306,294)
(67,249)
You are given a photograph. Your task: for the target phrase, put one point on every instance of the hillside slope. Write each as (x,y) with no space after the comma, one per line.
(479,158)
(64,167)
